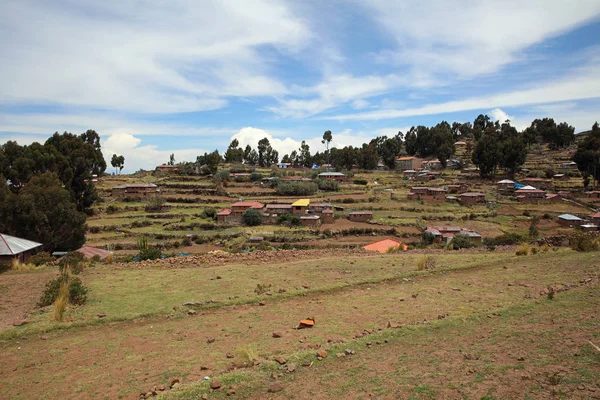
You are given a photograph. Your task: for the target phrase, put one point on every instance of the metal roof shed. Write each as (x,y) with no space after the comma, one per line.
(10,245)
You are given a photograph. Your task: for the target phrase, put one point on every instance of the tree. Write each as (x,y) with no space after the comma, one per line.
(264,147)
(171,159)
(44,211)
(210,161)
(389,149)
(234,154)
(410,141)
(487,154)
(247,152)
(252,158)
(304,158)
(368,156)
(480,124)
(118,162)
(587,155)
(252,217)
(327,137)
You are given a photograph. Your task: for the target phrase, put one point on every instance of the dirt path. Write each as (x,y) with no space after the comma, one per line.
(124,359)
(19,293)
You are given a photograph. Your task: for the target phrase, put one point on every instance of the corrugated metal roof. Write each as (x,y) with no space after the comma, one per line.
(331,174)
(569,217)
(10,245)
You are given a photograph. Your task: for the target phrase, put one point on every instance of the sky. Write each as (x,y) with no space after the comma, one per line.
(155,77)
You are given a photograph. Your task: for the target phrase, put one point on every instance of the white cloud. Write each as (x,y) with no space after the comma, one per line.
(139,156)
(162,57)
(466,38)
(583,83)
(360,104)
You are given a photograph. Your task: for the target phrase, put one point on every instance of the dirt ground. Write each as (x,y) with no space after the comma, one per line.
(19,294)
(135,356)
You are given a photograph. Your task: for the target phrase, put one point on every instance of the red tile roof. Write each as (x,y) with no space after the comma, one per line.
(249,204)
(226,211)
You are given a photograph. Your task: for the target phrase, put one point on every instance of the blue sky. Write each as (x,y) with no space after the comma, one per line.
(184,77)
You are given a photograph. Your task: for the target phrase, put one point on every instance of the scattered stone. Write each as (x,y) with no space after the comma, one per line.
(191,303)
(101,315)
(175,381)
(20,322)
(348,352)
(262,303)
(322,354)
(219,277)
(44,337)
(210,340)
(230,392)
(306,363)
(291,367)
(393,325)
(215,384)
(280,360)
(229,355)
(521,358)
(204,396)
(277,334)
(276,387)
(192,312)
(414,295)
(306,286)
(204,368)
(340,355)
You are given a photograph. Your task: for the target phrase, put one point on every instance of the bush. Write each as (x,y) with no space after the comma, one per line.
(288,219)
(428,237)
(326,185)
(461,242)
(523,249)
(147,252)
(255,176)
(426,263)
(94,229)
(583,242)
(252,217)
(296,188)
(360,182)
(504,240)
(41,258)
(60,304)
(209,213)
(77,292)
(112,209)
(74,261)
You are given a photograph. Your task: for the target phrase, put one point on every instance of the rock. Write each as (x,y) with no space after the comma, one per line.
(43,337)
(277,334)
(20,322)
(521,358)
(393,325)
(322,354)
(204,396)
(230,392)
(210,340)
(215,384)
(229,355)
(291,367)
(175,386)
(348,352)
(340,355)
(175,381)
(191,303)
(276,387)
(262,303)
(306,363)
(192,312)
(280,360)
(219,277)
(204,368)
(101,315)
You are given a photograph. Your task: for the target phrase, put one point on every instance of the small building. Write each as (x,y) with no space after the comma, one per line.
(318,208)
(90,252)
(553,197)
(283,165)
(506,185)
(538,183)
(410,172)
(569,220)
(444,234)
(530,195)
(386,245)
(135,190)
(593,195)
(427,194)
(360,216)
(327,217)
(300,207)
(589,227)
(332,176)
(569,165)
(410,162)
(460,188)
(471,198)
(238,208)
(167,169)
(310,220)
(595,217)
(279,209)
(431,164)
(460,143)
(14,248)
(223,216)
(561,177)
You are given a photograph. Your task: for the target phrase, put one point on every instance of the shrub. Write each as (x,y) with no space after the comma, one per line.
(461,242)
(583,242)
(523,249)
(426,263)
(506,239)
(331,186)
(296,188)
(287,219)
(77,292)
(60,304)
(73,261)
(94,229)
(360,182)
(533,231)
(550,292)
(41,258)
(255,176)
(209,213)
(252,217)
(545,248)
(112,209)
(428,237)
(147,252)
(246,356)
(535,249)
(262,289)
